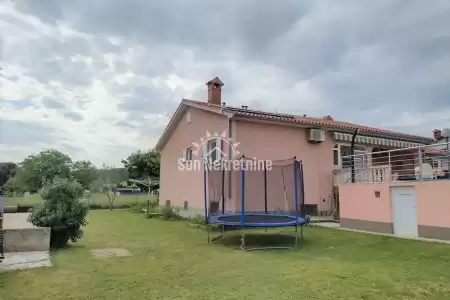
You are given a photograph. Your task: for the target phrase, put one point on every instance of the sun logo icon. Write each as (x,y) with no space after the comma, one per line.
(213,145)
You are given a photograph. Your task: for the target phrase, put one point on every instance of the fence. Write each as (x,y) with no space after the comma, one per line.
(431,162)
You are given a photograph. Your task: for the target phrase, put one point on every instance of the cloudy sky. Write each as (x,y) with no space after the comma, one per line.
(98,79)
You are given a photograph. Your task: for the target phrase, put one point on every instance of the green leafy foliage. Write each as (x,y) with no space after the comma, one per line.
(12,187)
(38,169)
(110,177)
(62,211)
(84,172)
(170,213)
(7,171)
(138,208)
(142,164)
(198,219)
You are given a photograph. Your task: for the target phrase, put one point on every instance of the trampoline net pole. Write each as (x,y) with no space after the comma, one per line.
(223,189)
(243,162)
(295,165)
(302,192)
(205,194)
(265,187)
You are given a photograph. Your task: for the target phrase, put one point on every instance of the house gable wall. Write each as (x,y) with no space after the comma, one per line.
(178,185)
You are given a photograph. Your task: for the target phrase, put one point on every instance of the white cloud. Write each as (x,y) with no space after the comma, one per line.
(97,132)
(98,87)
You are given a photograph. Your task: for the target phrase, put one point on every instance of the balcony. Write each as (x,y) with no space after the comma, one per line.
(430,162)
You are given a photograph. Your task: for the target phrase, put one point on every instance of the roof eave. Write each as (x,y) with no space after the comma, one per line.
(169,128)
(181,109)
(299,123)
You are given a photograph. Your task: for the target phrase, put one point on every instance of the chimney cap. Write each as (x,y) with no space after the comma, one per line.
(216,82)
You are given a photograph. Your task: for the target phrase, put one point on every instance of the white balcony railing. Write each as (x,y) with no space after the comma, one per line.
(418,163)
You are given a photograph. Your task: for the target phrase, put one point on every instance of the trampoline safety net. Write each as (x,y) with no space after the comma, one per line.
(255,186)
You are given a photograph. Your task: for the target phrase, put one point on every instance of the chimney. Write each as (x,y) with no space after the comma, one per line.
(437,134)
(215,91)
(329,118)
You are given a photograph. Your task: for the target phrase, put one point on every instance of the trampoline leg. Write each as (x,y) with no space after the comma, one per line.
(207,230)
(296,236)
(242,239)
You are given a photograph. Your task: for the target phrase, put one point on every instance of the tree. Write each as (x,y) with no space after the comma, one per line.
(110,177)
(85,172)
(11,187)
(143,165)
(38,169)
(62,211)
(7,170)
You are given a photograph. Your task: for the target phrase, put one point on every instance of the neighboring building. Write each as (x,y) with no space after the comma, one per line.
(321,143)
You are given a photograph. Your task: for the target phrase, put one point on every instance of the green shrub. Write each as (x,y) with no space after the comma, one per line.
(153,203)
(198,219)
(62,211)
(170,213)
(138,208)
(107,206)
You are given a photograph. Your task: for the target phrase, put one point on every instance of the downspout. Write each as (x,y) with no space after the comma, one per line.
(353,154)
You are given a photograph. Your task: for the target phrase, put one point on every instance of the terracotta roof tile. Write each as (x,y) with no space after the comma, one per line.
(326,121)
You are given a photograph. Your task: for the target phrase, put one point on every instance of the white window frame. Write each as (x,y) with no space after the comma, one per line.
(186,155)
(213,151)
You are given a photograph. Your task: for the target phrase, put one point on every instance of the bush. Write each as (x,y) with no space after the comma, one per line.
(170,213)
(138,208)
(107,206)
(153,203)
(198,219)
(62,211)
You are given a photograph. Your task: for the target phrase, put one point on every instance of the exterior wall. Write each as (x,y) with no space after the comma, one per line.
(433,209)
(275,142)
(361,209)
(179,186)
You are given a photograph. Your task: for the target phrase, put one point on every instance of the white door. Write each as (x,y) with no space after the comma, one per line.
(404,211)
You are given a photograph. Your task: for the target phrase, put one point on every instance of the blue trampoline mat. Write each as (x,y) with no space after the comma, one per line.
(257,220)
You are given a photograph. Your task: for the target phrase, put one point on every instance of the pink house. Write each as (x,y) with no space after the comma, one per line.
(323,144)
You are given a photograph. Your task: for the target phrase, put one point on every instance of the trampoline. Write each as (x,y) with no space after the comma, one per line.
(254,195)
(258,220)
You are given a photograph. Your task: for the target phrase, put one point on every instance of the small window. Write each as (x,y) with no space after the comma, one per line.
(188,117)
(188,154)
(336,155)
(214,150)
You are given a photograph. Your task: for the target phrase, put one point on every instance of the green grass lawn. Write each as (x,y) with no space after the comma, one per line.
(173,261)
(95,198)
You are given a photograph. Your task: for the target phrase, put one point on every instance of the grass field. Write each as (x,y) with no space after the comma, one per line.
(95,198)
(171,260)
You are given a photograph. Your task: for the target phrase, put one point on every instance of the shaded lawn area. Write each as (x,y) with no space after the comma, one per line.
(95,198)
(172,260)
